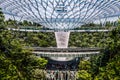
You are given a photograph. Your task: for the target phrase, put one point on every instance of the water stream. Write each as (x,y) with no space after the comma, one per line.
(62,39)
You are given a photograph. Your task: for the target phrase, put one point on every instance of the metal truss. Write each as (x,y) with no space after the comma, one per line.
(61,14)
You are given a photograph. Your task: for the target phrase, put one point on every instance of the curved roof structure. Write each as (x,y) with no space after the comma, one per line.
(61,14)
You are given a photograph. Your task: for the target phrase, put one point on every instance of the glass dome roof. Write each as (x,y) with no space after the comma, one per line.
(61,14)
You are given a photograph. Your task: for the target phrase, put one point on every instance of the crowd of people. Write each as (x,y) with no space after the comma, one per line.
(60,75)
(58,70)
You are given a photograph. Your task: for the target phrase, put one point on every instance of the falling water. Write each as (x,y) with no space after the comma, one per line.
(62,39)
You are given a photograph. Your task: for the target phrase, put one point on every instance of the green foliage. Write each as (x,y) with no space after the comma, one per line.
(40,39)
(89,39)
(84,75)
(38,74)
(2,23)
(111,71)
(105,66)
(16,62)
(85,65)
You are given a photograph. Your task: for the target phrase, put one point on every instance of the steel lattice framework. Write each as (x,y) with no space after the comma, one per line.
(61,14)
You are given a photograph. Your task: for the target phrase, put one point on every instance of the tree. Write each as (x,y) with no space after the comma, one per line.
(2,23)
(84,70)
(105,66)
(17,62)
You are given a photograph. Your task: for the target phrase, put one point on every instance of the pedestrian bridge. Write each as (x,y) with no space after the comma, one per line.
(65,52)
(37,30)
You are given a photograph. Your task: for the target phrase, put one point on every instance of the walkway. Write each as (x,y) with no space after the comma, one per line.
(32,30)
(65,52)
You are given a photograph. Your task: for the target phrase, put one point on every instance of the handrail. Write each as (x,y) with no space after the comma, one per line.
(40,30)
(54,49)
